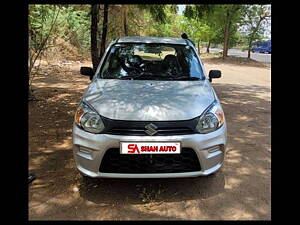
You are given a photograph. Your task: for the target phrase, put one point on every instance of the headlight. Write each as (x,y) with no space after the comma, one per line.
(212,119)
(87,119)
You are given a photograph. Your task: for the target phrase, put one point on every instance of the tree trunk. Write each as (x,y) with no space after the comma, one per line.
(252,37)
(226,34)
(94,31)
(208,46)
(226,38)
(249,52)
(249,48)
(104,31)
(125,21)
(225,47)
(198,47)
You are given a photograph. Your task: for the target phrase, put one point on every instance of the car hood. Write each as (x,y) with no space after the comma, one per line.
(144,100)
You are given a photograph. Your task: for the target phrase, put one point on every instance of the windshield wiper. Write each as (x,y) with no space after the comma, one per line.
(130,76)
(186,78)
(149,76)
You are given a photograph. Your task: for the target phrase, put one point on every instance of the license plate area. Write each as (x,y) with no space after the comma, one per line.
(150,147)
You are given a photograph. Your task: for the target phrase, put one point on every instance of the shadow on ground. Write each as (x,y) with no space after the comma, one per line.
(241,184)
(234,61)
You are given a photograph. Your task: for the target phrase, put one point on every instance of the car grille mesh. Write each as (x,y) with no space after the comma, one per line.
(137,128)
(114,162)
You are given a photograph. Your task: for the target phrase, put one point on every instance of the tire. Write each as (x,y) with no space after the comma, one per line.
(86,179)
(213,174)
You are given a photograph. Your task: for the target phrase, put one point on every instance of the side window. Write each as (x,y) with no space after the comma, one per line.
(112,67)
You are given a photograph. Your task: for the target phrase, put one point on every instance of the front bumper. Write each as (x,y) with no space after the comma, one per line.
(89,150)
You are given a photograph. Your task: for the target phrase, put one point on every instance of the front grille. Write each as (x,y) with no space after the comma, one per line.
(114,162)
(137,128)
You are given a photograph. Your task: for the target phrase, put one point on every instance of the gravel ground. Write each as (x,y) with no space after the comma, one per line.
(241,190)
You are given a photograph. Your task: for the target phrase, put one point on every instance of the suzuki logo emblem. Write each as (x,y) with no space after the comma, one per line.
(151,129)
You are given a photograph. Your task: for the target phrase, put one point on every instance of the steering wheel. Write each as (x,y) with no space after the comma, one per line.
(133,63)
(145,66)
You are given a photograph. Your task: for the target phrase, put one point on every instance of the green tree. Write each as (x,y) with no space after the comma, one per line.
(42,23)
(224,18)
(164,21)
(196,29)
(255,19)
(94,34)
(158,12)
(203,14)
(228,18)
(70,24)
(97,52)
(104,30)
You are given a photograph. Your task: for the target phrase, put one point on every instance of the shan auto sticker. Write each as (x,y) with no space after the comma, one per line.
(150,148)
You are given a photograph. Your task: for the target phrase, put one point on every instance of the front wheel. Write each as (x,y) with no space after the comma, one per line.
(213,174)
(86,179)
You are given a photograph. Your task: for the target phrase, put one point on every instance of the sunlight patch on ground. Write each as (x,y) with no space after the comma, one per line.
(67,143)
(244,118)
(238,214)
(230,194)
(244,171)
(231,183)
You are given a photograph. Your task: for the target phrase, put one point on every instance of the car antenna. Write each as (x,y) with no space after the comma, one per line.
(184,36)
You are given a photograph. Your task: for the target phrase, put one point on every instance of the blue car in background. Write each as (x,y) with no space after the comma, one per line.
(263,48)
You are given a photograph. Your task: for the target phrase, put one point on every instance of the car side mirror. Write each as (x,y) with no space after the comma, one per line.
(214,74)
(87,71)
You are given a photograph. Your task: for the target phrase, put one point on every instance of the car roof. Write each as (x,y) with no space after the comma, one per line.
(160,40)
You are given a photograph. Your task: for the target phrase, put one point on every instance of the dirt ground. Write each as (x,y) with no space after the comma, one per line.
(241,190)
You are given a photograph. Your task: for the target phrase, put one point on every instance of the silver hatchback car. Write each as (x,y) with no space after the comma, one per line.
(149,112)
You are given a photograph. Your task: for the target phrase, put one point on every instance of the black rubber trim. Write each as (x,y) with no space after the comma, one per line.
(114,162)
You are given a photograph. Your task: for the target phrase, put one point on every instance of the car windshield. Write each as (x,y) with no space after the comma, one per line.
(151,62)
